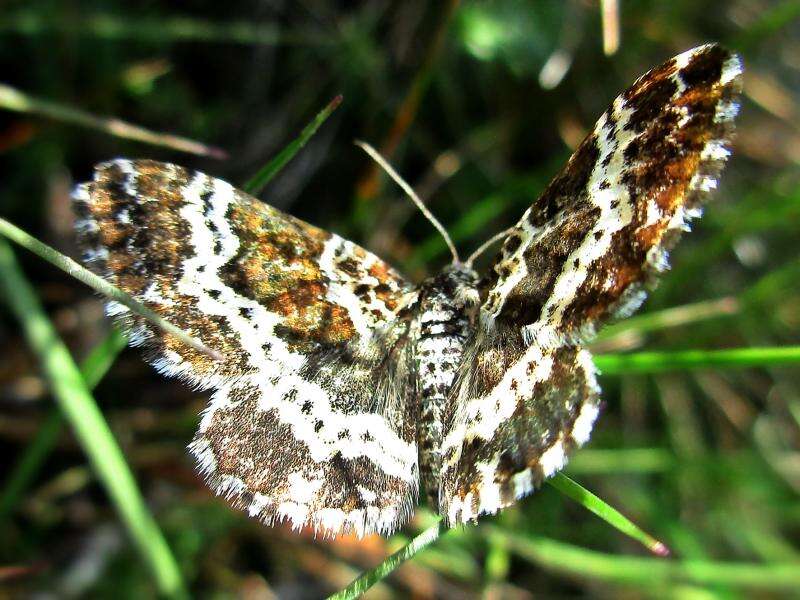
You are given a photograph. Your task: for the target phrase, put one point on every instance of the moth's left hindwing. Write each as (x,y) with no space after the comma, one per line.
(584,253)
(310,419)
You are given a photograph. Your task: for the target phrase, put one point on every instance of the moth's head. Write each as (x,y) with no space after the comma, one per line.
(458,271)
(462,281)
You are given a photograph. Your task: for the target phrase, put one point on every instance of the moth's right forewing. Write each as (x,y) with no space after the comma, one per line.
(588,248)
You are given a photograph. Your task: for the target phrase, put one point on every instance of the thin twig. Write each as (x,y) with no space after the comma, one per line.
(670,317)
(17,100)
(610,12)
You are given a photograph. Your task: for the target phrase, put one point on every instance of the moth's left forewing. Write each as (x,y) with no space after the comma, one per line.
(584,253)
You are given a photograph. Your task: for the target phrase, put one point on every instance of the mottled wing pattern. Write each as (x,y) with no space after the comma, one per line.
(584,253)
(309,420)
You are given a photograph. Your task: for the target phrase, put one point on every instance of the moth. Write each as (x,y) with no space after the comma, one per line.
(346,390)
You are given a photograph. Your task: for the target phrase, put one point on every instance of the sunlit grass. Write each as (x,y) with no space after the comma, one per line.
(93,368)
(79,408)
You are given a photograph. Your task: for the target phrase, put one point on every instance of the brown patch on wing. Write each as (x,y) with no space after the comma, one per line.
(565,201)
(147,241)
(141,241)
(260,450)
(705,69)
(278,266)
(568,190)
(151,229)
(545,259)
(649,96)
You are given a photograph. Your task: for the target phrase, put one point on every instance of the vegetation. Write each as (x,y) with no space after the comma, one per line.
(476,104)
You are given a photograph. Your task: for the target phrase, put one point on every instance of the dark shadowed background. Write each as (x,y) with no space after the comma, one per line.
(477,104)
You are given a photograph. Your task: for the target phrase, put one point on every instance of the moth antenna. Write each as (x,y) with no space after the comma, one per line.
(485,245)
(411,194)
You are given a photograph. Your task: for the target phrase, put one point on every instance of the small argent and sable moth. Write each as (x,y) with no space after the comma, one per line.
(344,386)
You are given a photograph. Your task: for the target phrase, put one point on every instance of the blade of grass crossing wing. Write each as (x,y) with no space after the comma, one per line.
(268,171)
(609,514)
(100,285)
(91,429)
(70,386)
(93,368)
(100,360)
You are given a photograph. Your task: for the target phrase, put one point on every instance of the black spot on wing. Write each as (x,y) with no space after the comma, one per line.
(649,102)
(705,68)
(511,244)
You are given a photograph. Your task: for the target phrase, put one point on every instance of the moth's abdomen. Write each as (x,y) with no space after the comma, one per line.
(443,325)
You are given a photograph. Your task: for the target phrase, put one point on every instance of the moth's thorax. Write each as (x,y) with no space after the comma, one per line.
(446,312)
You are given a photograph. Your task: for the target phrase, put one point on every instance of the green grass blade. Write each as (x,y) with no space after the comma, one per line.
(268,171)
(369,578)
(609,514)
(91,430)
(100,285)
(93,368)
(659,362)
(18,101)
(97,363)
(651,572)
(562,483)
(30,462)
(497,564)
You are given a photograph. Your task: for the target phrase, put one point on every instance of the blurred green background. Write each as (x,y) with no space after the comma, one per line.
(477,104)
